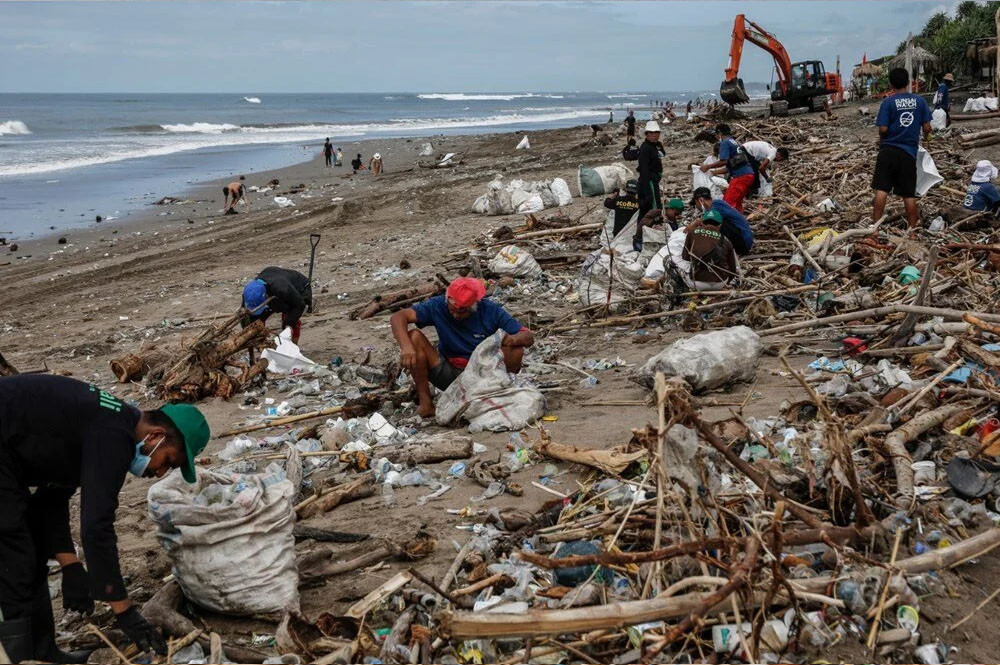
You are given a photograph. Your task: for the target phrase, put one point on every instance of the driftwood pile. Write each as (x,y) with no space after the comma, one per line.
(217,363)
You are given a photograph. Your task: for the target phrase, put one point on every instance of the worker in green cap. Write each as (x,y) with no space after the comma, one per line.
(671,214)
(58,434)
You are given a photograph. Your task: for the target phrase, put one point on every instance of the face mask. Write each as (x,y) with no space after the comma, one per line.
(140,462)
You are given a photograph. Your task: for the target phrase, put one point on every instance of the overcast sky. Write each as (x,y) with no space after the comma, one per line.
(260,47)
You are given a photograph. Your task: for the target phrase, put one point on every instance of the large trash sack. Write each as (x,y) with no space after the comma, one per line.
(524,144)
(516,262)
(489,397)
(708,360)
(624,271)
(927,173)
(229,537)
(939,119)
(519,196)
(602,179)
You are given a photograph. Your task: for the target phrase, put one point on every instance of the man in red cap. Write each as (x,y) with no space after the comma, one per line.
(463,318)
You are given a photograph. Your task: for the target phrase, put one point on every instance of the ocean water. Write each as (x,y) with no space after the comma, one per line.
(65,158)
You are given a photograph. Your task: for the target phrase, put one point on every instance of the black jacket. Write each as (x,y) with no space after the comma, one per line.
(650,165)
(624,207)
(57,434)
(290,292)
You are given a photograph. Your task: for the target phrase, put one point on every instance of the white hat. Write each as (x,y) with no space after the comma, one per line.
(985,171)
(377,156)
(651,126)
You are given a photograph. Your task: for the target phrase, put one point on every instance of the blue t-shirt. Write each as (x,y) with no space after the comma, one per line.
(735,227)
(981,196)
(457,339)
(727,149)
(943,97)
(904,114)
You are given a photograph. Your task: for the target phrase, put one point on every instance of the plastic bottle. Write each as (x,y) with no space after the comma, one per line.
(388,495)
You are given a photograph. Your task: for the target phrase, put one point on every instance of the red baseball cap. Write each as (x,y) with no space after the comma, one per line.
(466,291)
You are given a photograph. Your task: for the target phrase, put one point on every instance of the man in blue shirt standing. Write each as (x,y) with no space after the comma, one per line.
(900,119)
(942,100)
(982,194)
(734,225)
(463,318)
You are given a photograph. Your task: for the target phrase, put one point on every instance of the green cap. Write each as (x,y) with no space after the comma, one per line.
(194,428)
(712,215)
(675,204)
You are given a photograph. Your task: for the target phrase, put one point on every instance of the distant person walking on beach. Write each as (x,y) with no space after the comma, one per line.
(900,118)
(357,164)
(630,124)
(234,193)
(376,164)
(338,158)
(611,118)
(650,169)
(328,152)
(942,100)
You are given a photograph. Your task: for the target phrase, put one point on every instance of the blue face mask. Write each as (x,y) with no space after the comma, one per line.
(140,461)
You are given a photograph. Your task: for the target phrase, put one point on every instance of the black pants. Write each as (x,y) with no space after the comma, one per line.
(329,160)
(24,590)
(649,197)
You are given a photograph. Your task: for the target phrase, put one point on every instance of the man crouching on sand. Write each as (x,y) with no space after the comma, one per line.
(463,318)
(235,191)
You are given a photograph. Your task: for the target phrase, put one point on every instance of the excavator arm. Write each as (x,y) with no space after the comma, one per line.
(732,90)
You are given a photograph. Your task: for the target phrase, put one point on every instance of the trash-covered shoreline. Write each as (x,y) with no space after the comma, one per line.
(834,517)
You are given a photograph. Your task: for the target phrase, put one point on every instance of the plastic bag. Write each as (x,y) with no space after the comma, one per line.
(283,202)
(426,150)
(708,360)
(487,396)
(939,119)
(927,173)
(481,205)
(561,191)
(286,358)
(514,261)
(524,144)
(229,537)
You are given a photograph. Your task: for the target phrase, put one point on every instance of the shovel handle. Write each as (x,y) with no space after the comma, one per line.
(314,239)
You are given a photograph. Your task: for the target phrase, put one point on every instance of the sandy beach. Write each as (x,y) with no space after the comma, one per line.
(158,277)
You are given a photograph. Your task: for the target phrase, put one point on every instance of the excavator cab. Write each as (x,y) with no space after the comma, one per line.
(808,77)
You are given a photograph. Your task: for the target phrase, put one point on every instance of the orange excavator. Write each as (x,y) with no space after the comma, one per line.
(803,84)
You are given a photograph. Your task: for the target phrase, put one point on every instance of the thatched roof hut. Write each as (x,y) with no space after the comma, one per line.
(920,56)
(866,69)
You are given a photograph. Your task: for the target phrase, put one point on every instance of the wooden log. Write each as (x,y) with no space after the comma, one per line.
(300,531)
(128,367)
(386,300)
(359,488)
(896,442)
(431,451)
(611,461)
(374,597)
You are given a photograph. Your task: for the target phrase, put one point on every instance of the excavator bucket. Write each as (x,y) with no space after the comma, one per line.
(733,92)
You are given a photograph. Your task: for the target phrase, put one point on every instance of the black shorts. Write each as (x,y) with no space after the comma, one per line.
(443,374)
(895,172)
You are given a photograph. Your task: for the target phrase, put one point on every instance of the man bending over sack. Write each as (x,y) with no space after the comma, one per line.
(57,434)
(290,294)
(463,318)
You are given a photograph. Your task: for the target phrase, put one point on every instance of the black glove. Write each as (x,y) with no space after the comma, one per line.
(140,631)
(76,589)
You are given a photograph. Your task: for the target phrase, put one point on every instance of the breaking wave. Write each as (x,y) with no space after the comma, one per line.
(156,140)
(13,127)
(462,97)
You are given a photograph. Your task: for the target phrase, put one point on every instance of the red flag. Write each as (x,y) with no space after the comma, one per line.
(864,58)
